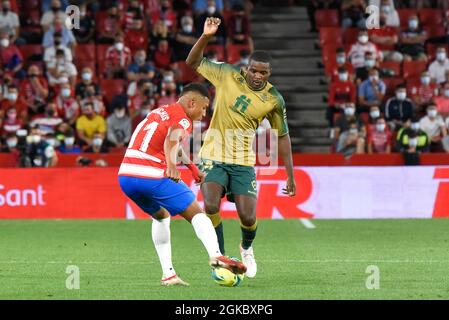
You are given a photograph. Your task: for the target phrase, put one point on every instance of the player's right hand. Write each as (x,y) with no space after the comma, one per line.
(211,26)
(173,174)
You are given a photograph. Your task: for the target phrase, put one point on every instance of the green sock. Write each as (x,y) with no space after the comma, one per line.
(219,232)
(248,237)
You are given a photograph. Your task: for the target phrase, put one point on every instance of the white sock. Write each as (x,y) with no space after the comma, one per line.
(160,233)
(206,233)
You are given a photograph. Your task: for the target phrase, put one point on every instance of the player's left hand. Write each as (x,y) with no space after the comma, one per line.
(290,188)
(201,177)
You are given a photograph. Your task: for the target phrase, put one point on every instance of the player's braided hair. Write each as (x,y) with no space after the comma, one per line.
(196,87)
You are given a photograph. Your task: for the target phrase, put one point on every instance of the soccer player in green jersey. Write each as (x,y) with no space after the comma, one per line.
(243,99)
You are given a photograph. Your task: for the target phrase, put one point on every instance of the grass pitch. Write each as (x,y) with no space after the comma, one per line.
(117,260)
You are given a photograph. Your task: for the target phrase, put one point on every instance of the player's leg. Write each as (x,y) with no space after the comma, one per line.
(212,194)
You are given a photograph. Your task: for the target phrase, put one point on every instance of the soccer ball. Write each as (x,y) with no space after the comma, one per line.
(226,278)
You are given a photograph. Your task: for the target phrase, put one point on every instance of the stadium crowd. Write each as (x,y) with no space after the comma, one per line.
(73,89)
(388,82)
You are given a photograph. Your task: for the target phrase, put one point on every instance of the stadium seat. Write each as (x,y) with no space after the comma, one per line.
(330,35)
(404,14)
(233,52)
(136,39)
(413,68)
(101,56)
(187,73)
(31,52)
(100,17)
(85,52)
(428,16)
(111,88)
(391,84)
(350,35)
(434,31)
(328,54)
(29,5)
(392,65)
(219,49)
(327,18)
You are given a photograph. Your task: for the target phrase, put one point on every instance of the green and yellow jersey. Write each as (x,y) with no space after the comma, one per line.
(238,111)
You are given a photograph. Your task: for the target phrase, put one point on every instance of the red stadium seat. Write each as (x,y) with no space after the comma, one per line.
(328,54)
(100,17)
(330,35)
(219,49)
(392,65)
(136,39)
(187,73)
(428,16)
(434,31)
(111,88)
(327,18)
(391,84)
(101,57)
(413,68)
(350,35)
(85,52)
(233,52)
(28,5)
(31,51)
(404,14)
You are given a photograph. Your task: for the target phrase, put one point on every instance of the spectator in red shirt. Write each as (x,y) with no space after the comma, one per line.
(118,57)
(341,62)
(166,15)
(341,92)
(145,109)
(134,15)
(66,104)
(34,91)
(10,57)
(49,121)
(386,39)
(164,56)
(442,101)
(168,91)
(145,92)
(379,137)
(239,27)
(11,100)
(110,26)
(11,123)
(424,92)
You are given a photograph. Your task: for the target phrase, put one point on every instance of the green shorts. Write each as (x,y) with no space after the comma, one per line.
(234,178)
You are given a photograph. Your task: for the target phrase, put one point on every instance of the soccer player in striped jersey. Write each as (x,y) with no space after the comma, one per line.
(148,176)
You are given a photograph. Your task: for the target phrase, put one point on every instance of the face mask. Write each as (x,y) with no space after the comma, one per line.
(349,111)
(12,97)
(140,60)
(119,46)
(441,56)
(12,143)
(413,24)
(97,142)
(12,116)
(413,142)
(35,138)
(51,142)
(432,113)
(64,80)
(353,131)
(363,39)
(343,76)
(401,95)
(244,61)
(380,127)
(374,78)
(386,9)
(187,28)
(446,93)
(86,76)
(4,42)
(69,141)
(425,80)
(341,59)
(168,78)
(374,114)
(415,126)
(119,113)
(66,92)
(369,63)
(144,112)
(60,60)
(211,10)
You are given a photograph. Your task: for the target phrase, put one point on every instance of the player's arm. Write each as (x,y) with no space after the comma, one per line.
(196,53)
(285,150)
(171,148)
(196,173)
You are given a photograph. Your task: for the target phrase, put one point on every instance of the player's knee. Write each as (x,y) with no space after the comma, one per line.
(211,207)
(248,221)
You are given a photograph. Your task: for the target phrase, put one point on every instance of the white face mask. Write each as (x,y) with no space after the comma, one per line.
(97,142)
(12,143)
(341,60)
(119,46)
(51,142)
(86,76)
(375,114)
(413,24)
(63,80)
(415,126)
(244,61)
(374,78)
(425,80)
(363,39)
(353,131)
(441,56)
(432,113)
(370,63)
(12,96)
(168,78)
(343,76)
(401,95)
(119,113)
(446,93)
(413,142)
(211,10)
(35,138)
(349,111)
(66,92)
(386,9)
(4,43)
(187,28)
(69,141)
(380,127)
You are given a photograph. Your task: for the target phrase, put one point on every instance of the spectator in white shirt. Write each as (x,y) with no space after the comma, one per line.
(387,8)
(433,124)
(357,52)
(9,21)
(50,52)
(438,68)
(61,69)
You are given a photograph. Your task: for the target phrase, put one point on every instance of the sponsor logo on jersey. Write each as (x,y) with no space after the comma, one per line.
(185,123)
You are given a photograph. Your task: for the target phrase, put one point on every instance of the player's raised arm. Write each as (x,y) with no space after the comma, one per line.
(196,53)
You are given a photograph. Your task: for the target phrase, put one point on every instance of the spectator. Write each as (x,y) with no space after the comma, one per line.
(145,109)
(201,6)
(134,15)
(445,140)
(10,58)
(239,28)
(119,128)
(362,74)
(314,5)
(98,145)
(343,121)
(341,62)
(47,4)
(89,124)
(50,17)
(184,38)
(357,52)
(61,70)
(424,92)
(118,57)
(11,100)
(49,121)
(379,138)
(68,146)
(220,35)
(96,100)
(351,141)
(440,66)
(399,109)
(140,61)
(371,91)
(168,89)
(244,59)
(10,145)
(164,57)
(412,41)
(50,52)
(341,92)
(166,15)
(86,81)
(86,31)
(442,101)
(353,12)
(392,17)
(38,152)
(433,124)
(145,92)
(66,105)
(374,114)
(411,136)
(109,27)
(67,37)
(11,123)
(159,32)
(34,91)
(386,39)
(144,73)
(9,21)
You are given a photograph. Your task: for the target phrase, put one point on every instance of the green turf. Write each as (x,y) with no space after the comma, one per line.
(117,260)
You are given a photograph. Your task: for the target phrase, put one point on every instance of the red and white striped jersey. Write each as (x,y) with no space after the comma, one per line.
(145,156)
